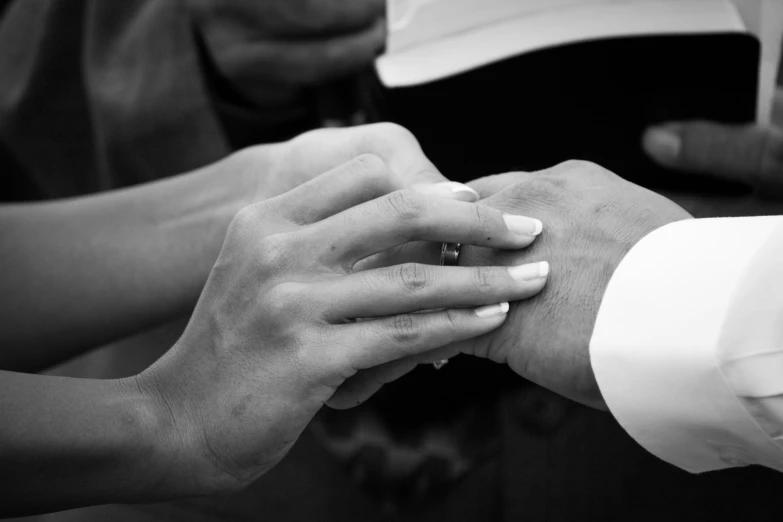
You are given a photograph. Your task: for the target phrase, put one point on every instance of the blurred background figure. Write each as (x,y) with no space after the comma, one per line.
(96,95)
(750,153)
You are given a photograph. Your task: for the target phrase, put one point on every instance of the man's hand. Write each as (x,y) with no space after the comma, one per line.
(271,49)
(749,153)
(591,219)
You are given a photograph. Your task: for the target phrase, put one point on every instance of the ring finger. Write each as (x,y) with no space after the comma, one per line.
(405,216)
(414,287)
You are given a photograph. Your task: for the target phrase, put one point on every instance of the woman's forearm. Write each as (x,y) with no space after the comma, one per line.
(66,443)
(77,273)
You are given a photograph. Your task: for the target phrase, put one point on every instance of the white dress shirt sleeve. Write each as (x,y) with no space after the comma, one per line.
(688,344)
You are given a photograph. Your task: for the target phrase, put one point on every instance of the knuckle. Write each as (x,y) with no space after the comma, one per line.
(453,320)
(412,276)
(395,132)
(405,205)
(371,172)
(273,251)
(369,164)
(481,216)
(576,166)
(541,189)
(405,329)
(248,223)
(485,279)
(246,218)
(285,299)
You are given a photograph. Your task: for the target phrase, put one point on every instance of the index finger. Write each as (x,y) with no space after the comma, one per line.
(403,216)
(748,153)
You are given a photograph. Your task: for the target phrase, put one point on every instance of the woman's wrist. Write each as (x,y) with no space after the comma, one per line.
(172,416)
(84,442)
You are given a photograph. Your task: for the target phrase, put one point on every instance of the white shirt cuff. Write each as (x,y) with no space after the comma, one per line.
(657,337)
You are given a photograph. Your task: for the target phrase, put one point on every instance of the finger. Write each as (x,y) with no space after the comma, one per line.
(746,153)
(378,341)
(363,385)
(403,216)
(414,287)
(321,149)
(360,179)
(448,190)
(425,252)
(489,185)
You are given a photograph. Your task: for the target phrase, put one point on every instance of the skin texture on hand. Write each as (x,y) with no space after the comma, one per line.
(274,335)
(271,49)
(300,159)
(592,218)
(136,257)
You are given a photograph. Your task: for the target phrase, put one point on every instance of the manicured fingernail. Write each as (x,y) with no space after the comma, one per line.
(663,144)
(448,189)
(491,310)
(523,226)
(529,271)
(460,191)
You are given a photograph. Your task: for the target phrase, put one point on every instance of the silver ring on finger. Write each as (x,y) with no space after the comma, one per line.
(449,256)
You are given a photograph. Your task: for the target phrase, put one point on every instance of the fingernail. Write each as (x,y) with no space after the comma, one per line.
(461,191)
(491,310)
(529,271)
(448,189)
(663,144)
(524,226)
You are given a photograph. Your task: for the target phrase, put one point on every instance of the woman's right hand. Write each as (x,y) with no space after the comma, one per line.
(274,334)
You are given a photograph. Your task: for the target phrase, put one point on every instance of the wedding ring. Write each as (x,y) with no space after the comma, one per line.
(449,256)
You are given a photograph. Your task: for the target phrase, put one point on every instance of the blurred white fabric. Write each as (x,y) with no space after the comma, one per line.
(433,39)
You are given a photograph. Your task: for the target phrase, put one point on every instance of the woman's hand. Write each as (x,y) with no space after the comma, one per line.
(274,335)
(270,170)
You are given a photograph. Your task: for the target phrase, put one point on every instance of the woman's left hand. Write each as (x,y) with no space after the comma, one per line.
(266,171)
(273,338)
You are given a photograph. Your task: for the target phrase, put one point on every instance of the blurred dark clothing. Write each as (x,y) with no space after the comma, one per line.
(587,470)
(99,94)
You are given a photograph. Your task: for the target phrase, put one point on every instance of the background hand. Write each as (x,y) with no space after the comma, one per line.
(270,50)
(749,153)
(591,219)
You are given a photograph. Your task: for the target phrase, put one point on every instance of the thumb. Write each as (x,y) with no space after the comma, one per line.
(747,153)
(449,190)
(490,185)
